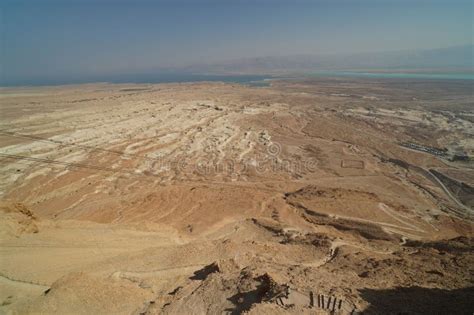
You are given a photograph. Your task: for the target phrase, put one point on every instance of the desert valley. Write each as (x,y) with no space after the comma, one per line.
(307,196)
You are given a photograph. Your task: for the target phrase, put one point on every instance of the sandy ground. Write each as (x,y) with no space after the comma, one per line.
(219,198)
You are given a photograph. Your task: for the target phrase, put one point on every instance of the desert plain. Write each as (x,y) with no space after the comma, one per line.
(309,196)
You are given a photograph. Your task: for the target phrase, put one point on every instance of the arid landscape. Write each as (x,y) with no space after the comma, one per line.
(307,196)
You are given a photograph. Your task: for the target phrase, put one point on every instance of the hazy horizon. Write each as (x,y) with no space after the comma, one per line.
(83,39)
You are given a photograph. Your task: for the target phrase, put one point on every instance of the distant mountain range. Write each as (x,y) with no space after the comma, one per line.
(459,58)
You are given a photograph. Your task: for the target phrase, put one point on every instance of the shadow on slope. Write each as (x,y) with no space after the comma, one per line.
(418,300)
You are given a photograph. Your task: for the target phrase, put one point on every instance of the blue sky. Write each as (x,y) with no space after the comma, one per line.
(73,37)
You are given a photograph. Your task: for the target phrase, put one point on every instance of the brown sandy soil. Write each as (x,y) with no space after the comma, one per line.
(219,198)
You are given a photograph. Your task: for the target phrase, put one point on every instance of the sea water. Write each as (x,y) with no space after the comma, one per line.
(395,75)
